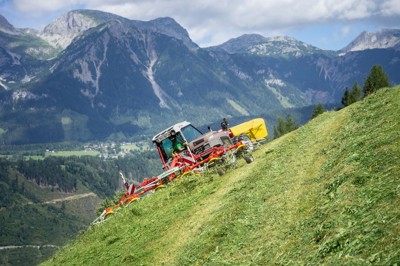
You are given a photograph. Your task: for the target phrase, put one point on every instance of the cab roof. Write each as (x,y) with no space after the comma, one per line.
(172,130)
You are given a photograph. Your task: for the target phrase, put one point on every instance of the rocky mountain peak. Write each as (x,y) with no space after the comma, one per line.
(5,26)
(241,43)
(271,46)
(62,31)
(282,46)
(167,26)
(382,39)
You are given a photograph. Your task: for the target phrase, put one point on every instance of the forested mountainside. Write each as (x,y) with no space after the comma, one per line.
(92,75)
(45,203)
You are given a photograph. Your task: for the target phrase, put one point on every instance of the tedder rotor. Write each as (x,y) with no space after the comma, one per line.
(184,149)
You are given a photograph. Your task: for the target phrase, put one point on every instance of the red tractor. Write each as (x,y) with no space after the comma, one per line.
(183,149)
(184,146)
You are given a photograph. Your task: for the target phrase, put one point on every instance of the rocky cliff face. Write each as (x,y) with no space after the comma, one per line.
(61,32)
(383,39)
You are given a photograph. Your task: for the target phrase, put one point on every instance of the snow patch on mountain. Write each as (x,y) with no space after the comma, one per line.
(27,79)
(275,82)
(26,95)
(2,84)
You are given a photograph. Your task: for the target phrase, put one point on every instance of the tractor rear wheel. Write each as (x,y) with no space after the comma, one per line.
(247,141)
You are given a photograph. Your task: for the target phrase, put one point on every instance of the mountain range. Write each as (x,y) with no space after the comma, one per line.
(92,75)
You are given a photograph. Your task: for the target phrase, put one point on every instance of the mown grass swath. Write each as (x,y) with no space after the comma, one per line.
(327,193)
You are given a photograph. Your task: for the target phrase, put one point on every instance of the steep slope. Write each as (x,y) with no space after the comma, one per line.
(327,193)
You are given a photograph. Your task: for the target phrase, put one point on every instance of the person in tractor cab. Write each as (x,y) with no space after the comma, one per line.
(177,143)
(178,147)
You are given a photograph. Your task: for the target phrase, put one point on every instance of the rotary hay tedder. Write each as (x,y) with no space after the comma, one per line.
(183,149)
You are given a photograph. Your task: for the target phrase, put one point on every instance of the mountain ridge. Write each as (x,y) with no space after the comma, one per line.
(268,46)
(125,77)
(62,31)
(75,21)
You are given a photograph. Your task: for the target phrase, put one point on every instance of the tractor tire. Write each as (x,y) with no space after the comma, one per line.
(248,158)
(247,141)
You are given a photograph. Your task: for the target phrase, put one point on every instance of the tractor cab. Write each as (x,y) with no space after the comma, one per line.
(187,141)
(175,139)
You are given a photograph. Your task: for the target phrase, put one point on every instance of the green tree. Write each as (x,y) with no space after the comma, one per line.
(351,96)
(346,98)
(285,126)
(318,109)
(375,80)
(355,93)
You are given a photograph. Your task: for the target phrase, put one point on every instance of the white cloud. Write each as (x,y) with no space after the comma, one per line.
(390,8)
(37,8)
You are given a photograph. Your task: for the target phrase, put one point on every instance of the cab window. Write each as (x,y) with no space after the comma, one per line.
(191,133)
(168,145)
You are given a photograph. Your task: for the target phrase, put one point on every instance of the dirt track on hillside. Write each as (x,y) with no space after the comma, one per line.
(68,198)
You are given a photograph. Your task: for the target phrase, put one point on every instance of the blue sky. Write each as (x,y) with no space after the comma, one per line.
(326,24)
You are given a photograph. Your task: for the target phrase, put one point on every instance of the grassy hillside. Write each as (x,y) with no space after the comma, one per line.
(327,193)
